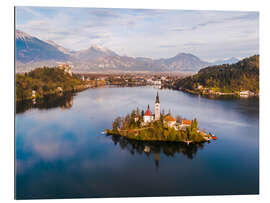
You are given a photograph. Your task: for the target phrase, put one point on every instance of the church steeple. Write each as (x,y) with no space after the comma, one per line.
(157,98)
(157,108)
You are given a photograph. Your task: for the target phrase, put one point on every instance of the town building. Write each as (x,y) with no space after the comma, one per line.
(163,78)
(169,121)
(59,89)
(66,68)
(148,117)
(184,124)
(33,93)
(246,93)
(242,93)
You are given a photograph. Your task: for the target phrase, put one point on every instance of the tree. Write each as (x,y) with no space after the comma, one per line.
(116,123)
(44,81)
(162,112)
(194,124)
(188,131)
(45,88)
(137,111)
(127,121)
(195,121)
(179,119)
(133,113)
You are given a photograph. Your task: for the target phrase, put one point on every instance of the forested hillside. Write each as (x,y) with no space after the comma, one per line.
(45,81)
(241,76)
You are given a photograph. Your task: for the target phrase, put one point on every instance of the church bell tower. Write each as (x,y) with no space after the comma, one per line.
(157,108)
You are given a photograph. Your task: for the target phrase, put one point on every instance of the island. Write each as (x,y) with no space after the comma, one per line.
(144,126)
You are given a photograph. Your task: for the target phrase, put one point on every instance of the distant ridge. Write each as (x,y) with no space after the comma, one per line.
(184,62)
(94,52)
(231,60)
(32,52)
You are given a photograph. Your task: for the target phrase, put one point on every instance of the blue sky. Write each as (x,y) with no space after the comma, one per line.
(210,35)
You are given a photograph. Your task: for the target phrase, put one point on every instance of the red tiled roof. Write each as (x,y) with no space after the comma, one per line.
(186,122)
(148,113)
(169,118)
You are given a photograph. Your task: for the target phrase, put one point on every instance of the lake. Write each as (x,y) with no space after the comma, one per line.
(61,153)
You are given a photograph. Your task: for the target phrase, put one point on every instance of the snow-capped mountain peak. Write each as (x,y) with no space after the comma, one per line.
(99,48)
(32,50)
(22,35)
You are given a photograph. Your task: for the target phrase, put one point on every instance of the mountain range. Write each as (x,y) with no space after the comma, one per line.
(30,48)
(231,60)
(32,52)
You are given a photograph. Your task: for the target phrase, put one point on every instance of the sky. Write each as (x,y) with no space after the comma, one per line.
(210,35)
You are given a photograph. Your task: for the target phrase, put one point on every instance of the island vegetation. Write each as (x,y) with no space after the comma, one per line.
(241,78)
(132,126)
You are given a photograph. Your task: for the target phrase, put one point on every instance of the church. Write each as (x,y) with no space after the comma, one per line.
(148,116)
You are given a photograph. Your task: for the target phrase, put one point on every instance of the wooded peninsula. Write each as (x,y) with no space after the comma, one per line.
(241,78)
(49,81)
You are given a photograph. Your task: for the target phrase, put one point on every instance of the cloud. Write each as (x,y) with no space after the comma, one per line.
(166,46)
(145,32)
(104,13)
(245,17)
(248,16)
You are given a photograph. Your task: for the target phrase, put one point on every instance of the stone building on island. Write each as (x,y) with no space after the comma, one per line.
(168,120)
(157,108)
(148,116)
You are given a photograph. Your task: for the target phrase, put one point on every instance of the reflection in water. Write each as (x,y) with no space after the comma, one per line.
(65,101)
(61,153)
(169,149)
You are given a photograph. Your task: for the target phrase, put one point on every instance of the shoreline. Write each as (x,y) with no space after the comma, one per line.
(108,132)
(217,94)
(51,94)
(193,92)
(155,141)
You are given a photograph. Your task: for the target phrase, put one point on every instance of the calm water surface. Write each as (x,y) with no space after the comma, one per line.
(61,153)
